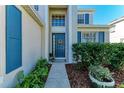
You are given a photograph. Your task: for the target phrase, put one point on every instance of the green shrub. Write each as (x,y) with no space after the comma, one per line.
(99,54)
(117,56)
(100,73)
(37,78)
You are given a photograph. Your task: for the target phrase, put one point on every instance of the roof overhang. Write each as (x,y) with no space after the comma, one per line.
(95,28)
(116,21)
(33,14)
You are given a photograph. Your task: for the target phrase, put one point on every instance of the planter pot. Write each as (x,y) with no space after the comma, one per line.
(52,59)
(99,84)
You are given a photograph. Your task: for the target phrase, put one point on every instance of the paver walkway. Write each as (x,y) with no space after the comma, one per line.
(57,77)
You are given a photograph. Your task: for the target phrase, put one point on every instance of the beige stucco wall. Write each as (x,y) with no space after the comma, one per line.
(31,48)
(74,24)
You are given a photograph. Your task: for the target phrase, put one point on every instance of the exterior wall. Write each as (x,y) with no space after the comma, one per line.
(43,13)
(2,42)
(70,22)
(117,33)
(43,17)
(74,25)
(31,48)
(72,30)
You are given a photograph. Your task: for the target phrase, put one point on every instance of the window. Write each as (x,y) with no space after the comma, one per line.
(36,7)
(88,37)
(83,19)
(58,20)
(80,18)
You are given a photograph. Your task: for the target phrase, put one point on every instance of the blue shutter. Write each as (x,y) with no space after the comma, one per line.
(13,38)
(79,37)
(86,18)
(101,37)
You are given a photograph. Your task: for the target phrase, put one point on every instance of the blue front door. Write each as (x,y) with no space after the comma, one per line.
(59,45)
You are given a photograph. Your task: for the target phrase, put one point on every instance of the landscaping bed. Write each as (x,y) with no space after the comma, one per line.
(77,79)
(98,65)
(80,78)
(119,77)
(36,78)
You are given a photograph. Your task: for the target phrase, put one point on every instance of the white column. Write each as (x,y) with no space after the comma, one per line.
(46,32)
(70,33)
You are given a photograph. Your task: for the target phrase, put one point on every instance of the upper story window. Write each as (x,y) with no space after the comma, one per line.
(83,18)
(36,7)
(80,18)
(58,20)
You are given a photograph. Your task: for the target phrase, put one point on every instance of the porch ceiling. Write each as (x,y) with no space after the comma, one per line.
(95,28)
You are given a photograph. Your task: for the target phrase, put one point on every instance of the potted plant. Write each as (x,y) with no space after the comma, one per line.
(101,77)
(51,57)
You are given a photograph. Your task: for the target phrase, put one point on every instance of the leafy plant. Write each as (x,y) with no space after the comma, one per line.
(37,78)
(20,76)
(100,73)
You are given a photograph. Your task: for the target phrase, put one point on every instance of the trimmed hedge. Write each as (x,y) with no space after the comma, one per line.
(99,54)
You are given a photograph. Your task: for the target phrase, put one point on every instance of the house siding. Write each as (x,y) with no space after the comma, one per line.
(31,48)
(117,32)
(36,39)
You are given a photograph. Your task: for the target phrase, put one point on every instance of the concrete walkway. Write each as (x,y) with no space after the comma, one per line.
(57,77)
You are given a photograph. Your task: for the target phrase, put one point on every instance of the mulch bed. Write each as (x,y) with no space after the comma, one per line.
(119,77)
(80,79)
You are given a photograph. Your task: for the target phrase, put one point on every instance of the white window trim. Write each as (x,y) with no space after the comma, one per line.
(58,22)
(96,36)
(84,18)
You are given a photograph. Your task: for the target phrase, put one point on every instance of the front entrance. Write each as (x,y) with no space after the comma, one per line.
(58,45)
